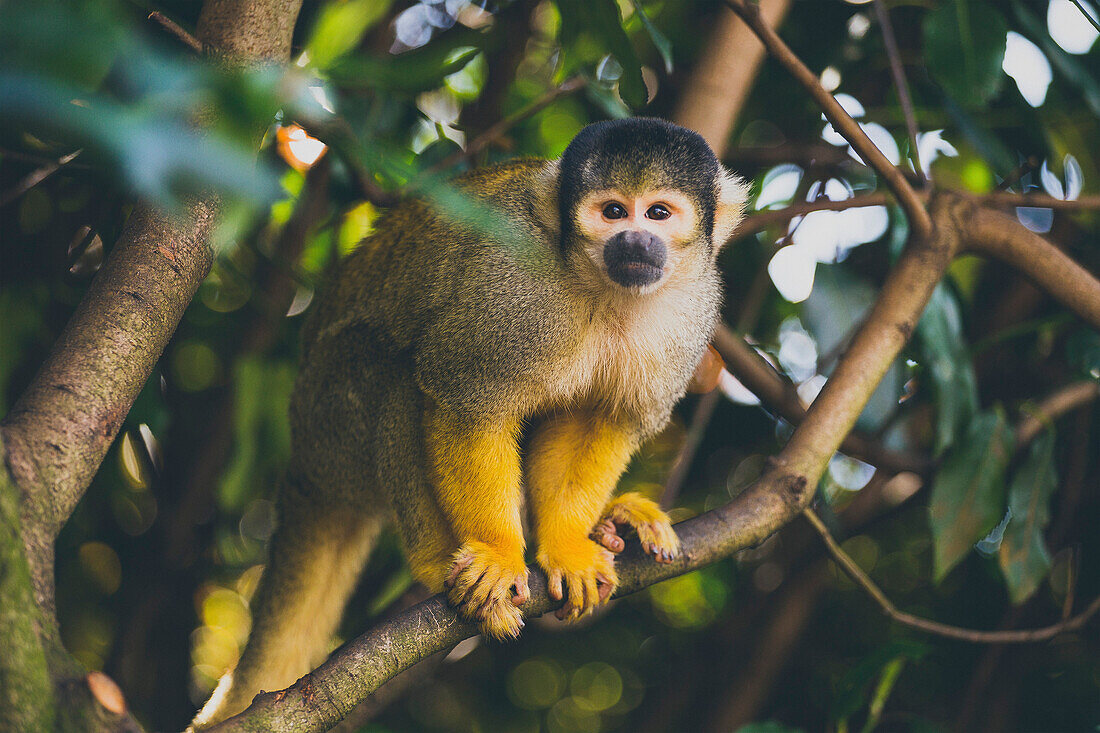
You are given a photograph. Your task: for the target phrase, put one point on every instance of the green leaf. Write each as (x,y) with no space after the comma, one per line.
(412,71)
(339,27)
(1083,351)
(964,46)
(851,690)
(663,45)
(1023,552)
(968,491)
(943,352)
(601,19)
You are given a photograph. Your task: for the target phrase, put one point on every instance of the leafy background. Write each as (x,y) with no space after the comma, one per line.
(156,567)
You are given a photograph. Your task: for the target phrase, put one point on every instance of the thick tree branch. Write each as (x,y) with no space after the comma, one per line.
(26,692)
(719,84)
(60,429)
(994,234)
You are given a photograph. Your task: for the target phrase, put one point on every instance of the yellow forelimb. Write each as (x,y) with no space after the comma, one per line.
(574,462)
(476,473)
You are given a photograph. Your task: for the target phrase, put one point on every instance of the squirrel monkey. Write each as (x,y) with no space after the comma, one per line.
(450,375)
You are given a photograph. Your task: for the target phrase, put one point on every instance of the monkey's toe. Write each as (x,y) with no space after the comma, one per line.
(487,585)
(654,528)
(582,573)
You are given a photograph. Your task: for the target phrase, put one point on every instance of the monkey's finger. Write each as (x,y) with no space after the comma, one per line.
(591,593)
(461,564)
(608,536)
(553,585)
(605,587)
(523,591)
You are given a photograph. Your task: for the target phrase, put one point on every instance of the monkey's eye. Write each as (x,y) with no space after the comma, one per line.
(658,212)
(614,211)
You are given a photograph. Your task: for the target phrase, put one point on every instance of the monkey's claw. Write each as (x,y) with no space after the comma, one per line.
(653,526)
(488,585)
(582,572)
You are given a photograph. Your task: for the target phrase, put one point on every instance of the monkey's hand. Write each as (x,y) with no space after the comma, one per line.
(580,571)
(646,518)
(481,584)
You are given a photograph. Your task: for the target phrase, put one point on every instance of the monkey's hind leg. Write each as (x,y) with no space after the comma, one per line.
(316,557)
(653,526)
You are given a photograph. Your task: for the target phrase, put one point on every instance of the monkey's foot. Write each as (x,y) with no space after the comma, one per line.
(652,525)
(488,585)
(580,571)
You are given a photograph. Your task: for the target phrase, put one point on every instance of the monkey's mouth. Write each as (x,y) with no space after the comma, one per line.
(634,273)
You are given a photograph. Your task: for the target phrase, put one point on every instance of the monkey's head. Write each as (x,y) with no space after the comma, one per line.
(645,201)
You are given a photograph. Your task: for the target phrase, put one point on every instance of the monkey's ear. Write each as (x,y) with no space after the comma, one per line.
(545,195)
(733,194)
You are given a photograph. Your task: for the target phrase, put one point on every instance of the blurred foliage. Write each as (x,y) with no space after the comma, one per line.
(100,106)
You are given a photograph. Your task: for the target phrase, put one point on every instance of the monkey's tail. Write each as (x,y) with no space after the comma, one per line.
(316,557)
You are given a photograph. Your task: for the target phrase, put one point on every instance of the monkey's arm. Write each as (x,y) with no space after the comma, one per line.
(476,470)
(574,462)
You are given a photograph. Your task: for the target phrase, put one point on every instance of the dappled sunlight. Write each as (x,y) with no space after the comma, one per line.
(1028,67)
(1069,28)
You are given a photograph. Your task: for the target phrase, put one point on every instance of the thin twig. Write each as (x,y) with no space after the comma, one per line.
(919,220)
(177,30)
(1041,200)
(860,578)
(1071,583)
(704,410)
(497,131)
(1059,403)
(1087,14)
(35,177)
(762,219)
(900,83)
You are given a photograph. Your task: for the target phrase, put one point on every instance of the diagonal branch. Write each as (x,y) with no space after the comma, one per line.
(842,121)
(901,84)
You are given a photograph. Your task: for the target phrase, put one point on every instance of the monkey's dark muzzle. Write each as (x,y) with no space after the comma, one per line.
(635,258)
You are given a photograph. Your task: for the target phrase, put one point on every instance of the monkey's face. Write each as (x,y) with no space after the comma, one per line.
(637,239)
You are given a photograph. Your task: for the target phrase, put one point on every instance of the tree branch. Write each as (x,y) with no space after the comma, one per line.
(842,121)
(860,578)
(496,131)
(994,234)
(719,84)
(779,394)
(176,30)
(1065,400)
(60,429)
(901,85)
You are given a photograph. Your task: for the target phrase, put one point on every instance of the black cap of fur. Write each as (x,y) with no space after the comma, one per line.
(638,152)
